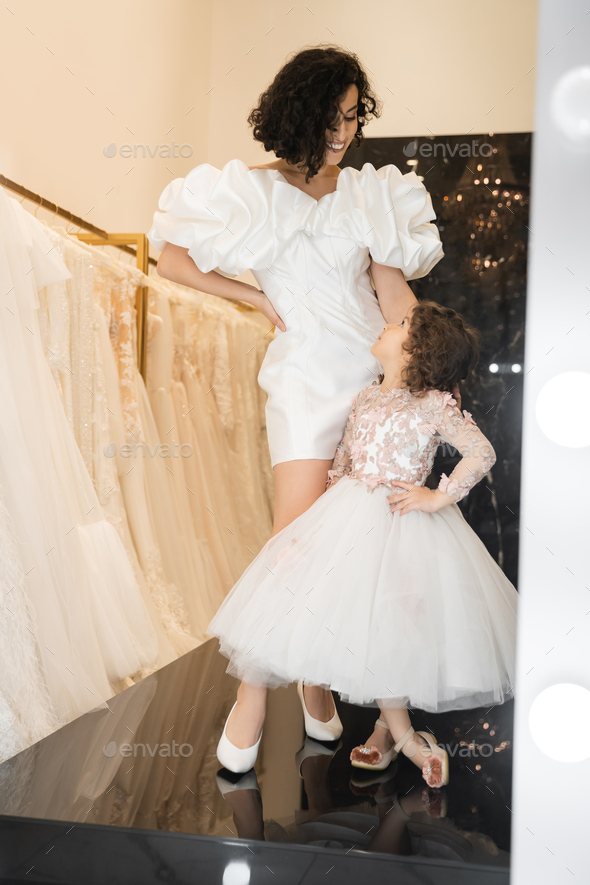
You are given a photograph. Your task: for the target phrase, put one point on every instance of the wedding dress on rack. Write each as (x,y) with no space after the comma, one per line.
(211,468)
(116,321)
(93,410)
(92,628)
(226,344)
(209,583)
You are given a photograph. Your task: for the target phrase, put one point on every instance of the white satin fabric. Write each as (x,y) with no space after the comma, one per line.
(311,258)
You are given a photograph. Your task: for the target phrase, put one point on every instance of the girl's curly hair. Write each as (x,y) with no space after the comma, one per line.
(443,348)
(294,112)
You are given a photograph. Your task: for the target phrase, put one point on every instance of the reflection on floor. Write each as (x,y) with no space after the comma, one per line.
(147,761)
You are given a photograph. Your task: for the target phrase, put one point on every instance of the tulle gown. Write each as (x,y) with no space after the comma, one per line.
(381,606)
(92,627)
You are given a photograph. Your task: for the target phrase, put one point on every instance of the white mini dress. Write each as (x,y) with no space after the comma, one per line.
(311,258)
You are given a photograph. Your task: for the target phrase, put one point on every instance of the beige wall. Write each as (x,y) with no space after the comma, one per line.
(138,66)
(447,64)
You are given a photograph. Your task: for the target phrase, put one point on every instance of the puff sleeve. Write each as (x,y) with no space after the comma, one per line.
(394,216)
(224,217)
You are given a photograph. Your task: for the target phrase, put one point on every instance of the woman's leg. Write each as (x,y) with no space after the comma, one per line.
(297,485)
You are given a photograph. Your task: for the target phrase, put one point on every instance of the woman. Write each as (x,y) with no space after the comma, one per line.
(310,232)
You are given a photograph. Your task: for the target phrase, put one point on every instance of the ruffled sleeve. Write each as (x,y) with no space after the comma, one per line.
(224,217)
(392,213)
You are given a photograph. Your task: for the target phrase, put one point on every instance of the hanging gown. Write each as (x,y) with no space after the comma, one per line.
(401,608)
(92,628)
(311,258)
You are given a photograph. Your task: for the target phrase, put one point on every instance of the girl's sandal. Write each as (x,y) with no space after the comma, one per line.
(371,757)
(435,769)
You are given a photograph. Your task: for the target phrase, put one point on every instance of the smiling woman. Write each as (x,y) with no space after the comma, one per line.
(310,232)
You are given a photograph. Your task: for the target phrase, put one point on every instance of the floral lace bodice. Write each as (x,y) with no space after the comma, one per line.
(394,434)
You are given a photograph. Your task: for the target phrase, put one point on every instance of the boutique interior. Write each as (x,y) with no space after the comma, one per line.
(132,410)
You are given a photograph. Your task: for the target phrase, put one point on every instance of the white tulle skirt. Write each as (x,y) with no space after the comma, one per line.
(377,606)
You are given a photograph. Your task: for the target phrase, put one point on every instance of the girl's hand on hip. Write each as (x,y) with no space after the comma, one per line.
(413,498)
(261,302)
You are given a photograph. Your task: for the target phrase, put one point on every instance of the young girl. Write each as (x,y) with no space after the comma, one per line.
(380,590)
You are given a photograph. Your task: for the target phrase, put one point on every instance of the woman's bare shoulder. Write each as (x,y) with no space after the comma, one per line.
(265,166)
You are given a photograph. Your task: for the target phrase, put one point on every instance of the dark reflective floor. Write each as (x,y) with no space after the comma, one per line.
(148,762)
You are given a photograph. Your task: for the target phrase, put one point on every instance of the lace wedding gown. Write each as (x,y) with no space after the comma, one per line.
(91,626)
(377,605)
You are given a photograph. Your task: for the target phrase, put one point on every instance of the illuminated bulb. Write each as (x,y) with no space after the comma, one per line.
(412,162)
(494,367)
(486,181)
(516,367)
(558,409)
(563,702)
(498,180)
(479,167)
(570,105)
(237,872)
(459,197)
(476,181)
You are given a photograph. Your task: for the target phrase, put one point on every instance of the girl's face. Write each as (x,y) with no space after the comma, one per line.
(343,130)
(388,346)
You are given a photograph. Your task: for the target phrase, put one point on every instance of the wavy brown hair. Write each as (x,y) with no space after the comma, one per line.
(294,112)
(443,348)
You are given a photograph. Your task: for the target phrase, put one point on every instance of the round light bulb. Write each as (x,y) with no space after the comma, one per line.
(563,702)
(559,409)
(494,367)
(516,367)
(570,105)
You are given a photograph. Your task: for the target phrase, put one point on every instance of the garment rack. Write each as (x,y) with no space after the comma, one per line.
(98,237)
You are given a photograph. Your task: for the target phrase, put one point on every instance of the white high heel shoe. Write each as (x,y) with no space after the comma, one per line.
(315,728)
(232,757)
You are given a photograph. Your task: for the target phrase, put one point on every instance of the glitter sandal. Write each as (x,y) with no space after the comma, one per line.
(435,769)
(371,757)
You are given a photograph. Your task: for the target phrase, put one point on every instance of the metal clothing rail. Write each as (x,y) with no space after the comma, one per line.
(98,237)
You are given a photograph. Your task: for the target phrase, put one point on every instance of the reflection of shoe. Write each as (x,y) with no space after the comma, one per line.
(435,769)
(228,781)
(371,757)
(313,748)
(361,779)
(232,757)
(435,804)
(315,728)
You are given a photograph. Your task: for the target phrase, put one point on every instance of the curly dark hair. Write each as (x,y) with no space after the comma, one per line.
(294,112)
(443,348)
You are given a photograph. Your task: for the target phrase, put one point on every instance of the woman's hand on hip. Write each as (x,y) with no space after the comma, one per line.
(261,302)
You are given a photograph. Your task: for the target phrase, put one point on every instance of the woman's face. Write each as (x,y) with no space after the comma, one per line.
(343,130)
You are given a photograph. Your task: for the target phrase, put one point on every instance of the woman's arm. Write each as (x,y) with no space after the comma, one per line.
(175,264)
(395,297)
(393,293)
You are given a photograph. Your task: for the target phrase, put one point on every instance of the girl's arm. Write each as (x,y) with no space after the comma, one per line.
(393,293)
(175,264)
(342,461)
(459,430)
